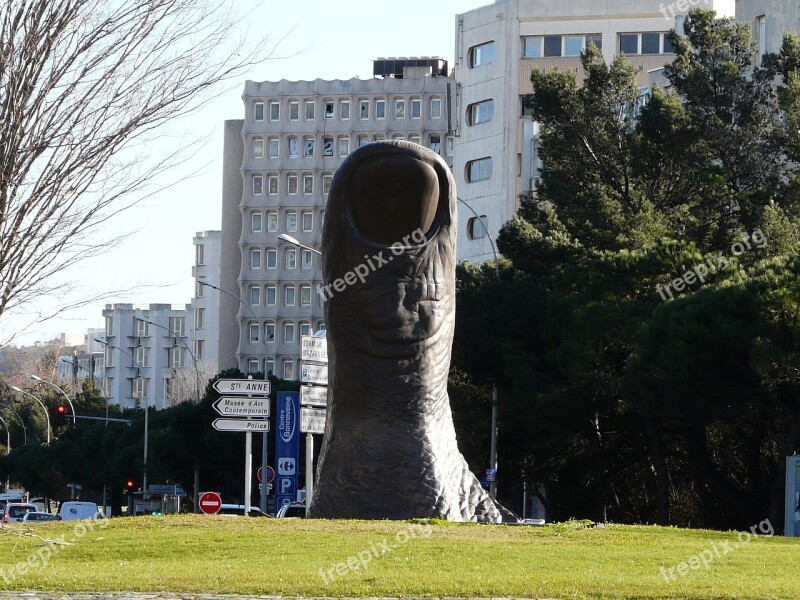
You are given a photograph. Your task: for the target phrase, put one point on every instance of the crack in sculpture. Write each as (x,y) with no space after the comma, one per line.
(390,450)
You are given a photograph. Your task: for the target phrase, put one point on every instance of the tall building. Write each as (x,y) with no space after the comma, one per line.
(205,306)
(294,136)
(146,360)
(496,158)
(769,20)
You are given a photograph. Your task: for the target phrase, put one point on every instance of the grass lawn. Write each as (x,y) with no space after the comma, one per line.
(197,553)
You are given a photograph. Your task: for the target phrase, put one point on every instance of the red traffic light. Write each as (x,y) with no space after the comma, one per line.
(61,409)
(131,483)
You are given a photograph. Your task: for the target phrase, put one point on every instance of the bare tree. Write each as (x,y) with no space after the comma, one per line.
(85,88)
(184,383)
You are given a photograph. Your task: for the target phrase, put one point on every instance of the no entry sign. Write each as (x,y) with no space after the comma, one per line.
(210,503)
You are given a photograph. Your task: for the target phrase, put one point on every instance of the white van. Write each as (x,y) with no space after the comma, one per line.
(73,510)
(10,497)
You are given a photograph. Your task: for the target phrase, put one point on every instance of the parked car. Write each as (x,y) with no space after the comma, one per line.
(238,509)
(74,510)
(10,497)
(293,509)
(14,511)
(36,516)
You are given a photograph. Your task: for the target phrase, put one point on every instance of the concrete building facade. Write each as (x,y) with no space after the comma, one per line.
(496,159)
(769,20)
(294,136)
(205,314)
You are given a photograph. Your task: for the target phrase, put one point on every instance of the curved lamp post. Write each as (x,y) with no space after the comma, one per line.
(21,422)
(287,238)
(53,385)
(44,409)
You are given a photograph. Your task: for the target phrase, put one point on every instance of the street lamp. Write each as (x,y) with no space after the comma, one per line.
(46,414)
(21,422)
(287,238)
(265,435)
(493,448)
(53,385)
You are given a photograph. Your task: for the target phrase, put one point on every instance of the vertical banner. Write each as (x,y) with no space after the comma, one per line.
(287,447)
(792,524)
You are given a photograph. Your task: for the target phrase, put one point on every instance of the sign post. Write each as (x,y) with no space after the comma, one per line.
(314,353)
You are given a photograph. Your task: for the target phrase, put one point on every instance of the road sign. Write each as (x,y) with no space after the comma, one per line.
(314,374)
(270,474)
(312,420)
(210,503)
(239,406)
(316,395)
(240,425)
(314,349)
(255,387)
(287,445)
(261,486)
(168,489)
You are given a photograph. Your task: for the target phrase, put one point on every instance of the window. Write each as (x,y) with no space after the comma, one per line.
(252,365)
(651,43)
(288,295)
(269,332)
(294,110)
(596,39)
(177,325)
(629,43)
(644,43)
(291,258)
(258,148)
(199,317)
(479,170)
(272,258)
(199,259)
(199,346)
(258,185)
(258,111)
(288,368)
(436,108)
(308,110)
(760,31)
(449,144)
(363,140)
(272,182)
(272,221)
(142,356)
(573,45)
(379,137)
(308,184)
(254,333)
(255,258)
(399,108)
(538,46)
(255,222)
(291,184)
(255,295)
(305,259)
(363,109)
(482,54)
(307,220)
(308,147)
(344,110)
(327,146)
(176,357)
(416,108)
(328,109)
(552,45)
(476,229)
(288,332)
(108,355)
(274,111)
(305,328)
(435,142)
(139,387)
(200,290)
(305,295)
(327,179)
(480,112)
(270,295)
(344,146)
(274,147)
(415,138)
(269,365)
(291,221)
(142,328)
(380,109)
(110,320)
(294,147)
(532,47)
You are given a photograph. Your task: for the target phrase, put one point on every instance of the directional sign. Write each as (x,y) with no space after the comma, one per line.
(314,395)
(312,420)
(239,406)
(314,349)
(240,425)
(242,386)
(314,374)
(210,503)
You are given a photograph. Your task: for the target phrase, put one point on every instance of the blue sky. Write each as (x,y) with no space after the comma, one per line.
(335,39)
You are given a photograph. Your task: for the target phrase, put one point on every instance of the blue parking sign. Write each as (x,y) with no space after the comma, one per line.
(287,446)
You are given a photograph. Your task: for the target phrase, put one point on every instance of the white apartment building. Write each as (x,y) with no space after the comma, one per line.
(83,362)
(294,136)
(769,20)
(205,306)
(147,355)
(496,158)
